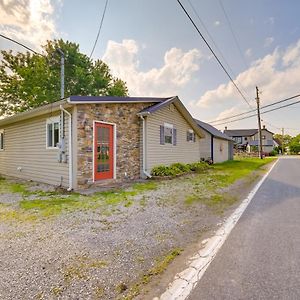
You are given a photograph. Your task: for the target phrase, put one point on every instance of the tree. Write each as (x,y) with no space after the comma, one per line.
(294,145)
(30,80)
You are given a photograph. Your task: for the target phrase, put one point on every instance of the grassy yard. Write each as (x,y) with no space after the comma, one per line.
(208,189)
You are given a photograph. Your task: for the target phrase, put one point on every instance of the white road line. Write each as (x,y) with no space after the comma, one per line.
(185,281)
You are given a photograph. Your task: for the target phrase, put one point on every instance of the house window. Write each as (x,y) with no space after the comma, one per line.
(238,139)
(1,139)
(168,134)
(190,136)
(52,132)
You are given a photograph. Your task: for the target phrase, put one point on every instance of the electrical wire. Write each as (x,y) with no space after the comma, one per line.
(262,107)
(99,30)
(215,44)
(264,112)
(20,44)
(214,54)
(233,34)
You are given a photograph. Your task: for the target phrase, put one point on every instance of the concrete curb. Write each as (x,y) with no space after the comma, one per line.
(185,281)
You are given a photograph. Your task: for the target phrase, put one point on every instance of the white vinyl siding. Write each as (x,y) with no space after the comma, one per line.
(267,141)
(26,156)
(205,146)
(183,151)
(221,150)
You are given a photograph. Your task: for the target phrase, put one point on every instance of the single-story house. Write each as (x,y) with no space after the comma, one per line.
(84,140)
(216,145)
(250,138)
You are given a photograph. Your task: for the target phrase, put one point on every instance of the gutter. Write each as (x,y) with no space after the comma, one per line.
(70,188)
(144,148)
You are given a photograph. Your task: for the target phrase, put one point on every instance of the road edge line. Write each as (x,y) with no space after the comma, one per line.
(185,281)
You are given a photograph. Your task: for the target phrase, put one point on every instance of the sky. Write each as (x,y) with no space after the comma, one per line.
(154,48)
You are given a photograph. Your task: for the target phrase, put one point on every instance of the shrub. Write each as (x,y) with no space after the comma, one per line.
(198,166)
(182,167)
(179,168)
(273,153)
(165,171)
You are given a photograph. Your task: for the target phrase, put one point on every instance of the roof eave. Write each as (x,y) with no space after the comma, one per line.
(42,110)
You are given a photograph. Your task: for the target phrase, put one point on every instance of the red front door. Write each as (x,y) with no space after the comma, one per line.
(103,151)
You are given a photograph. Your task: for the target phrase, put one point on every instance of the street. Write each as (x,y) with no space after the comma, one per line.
(261,257)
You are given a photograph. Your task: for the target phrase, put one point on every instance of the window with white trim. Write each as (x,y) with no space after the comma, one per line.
(52,132)
(190,136)
(1,139)
(168,134)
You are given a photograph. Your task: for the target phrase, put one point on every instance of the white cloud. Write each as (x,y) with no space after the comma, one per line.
(268,41)
(29,21)
(270,20)
(248,52)
(277,75)
(217,23)
(173,75)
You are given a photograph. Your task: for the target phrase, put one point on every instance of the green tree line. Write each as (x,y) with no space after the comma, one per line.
(29,80)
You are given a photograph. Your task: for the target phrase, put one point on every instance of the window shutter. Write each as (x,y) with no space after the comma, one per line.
(174,136)
(187,136)
(162,135)
(194,137)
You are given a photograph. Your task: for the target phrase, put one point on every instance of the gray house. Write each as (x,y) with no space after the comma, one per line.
(216,145)
(81,141)
(249,138)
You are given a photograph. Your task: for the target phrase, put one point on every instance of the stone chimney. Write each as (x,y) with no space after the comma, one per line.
(264,126)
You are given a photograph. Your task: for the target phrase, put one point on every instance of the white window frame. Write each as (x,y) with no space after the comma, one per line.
(52,120)
(192,136)
(169,126)
(2,144)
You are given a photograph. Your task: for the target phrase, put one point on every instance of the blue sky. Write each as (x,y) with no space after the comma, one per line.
(154,48)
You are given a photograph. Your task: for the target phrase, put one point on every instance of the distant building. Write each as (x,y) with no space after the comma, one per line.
(216,145)
(248,139)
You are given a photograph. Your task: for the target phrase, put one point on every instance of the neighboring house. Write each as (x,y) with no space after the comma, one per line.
(250,138)
(79,141)
(216,145)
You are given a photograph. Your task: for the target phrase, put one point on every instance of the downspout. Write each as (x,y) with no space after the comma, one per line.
(144,148)
(212,147)
(70,149)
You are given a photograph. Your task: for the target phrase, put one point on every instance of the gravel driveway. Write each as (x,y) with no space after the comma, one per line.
(96,253)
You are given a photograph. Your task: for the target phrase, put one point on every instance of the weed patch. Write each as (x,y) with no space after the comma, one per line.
(158,269)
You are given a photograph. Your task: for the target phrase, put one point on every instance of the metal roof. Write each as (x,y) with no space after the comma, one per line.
(213,131)
(153,108)
(241,132)
(113,99)
(244,132)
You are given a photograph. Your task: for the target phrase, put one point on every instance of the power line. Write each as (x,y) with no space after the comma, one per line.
(99,30)
(233,34)
(264,112)
(20,44)
(264,106)
(215,44)
(214,54)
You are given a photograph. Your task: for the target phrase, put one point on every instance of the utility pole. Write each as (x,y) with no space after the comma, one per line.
(62,73)
(260,148)
(282,141)
(62,90)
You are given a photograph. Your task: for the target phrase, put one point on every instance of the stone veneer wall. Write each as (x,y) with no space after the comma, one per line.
(129,148)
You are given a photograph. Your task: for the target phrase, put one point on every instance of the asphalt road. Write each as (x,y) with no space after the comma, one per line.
(261,257)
